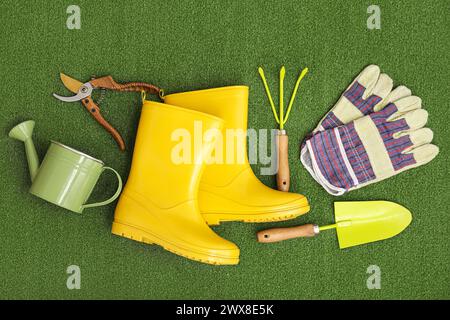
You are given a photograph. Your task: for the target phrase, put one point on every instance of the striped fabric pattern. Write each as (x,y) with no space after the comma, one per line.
(339,153)
(356,153)
(329,159)
(395,147)
(354,95)
(331,121)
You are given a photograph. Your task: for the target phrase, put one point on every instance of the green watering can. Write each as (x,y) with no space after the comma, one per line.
(66,177)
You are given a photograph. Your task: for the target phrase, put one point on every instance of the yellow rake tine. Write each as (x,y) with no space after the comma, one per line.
(282,74)
(261,73)
(297,84)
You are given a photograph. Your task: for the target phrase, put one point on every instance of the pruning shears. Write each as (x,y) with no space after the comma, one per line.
(83,93)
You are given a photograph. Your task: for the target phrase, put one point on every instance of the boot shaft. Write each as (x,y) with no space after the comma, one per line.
(231,105)
(170,150)
(227,103)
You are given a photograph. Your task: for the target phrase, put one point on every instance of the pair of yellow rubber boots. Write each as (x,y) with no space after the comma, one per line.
(171,204)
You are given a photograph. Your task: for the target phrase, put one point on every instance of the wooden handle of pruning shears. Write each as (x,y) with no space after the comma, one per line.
(94,110)
(283,174)
(281,234)
(109,83)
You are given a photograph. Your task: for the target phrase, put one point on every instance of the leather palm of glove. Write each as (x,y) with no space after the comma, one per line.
(372,133)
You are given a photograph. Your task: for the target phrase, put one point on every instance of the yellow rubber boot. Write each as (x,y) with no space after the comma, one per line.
(231,192)
(159,203)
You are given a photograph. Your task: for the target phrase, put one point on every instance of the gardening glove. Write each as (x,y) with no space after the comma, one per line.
(369,92)
(371,148)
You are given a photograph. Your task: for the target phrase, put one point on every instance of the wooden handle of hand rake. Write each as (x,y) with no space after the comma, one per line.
(94,110)
(283,175)
(109,83)
(280,234)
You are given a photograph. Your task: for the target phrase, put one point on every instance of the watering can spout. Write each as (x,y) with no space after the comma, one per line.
(23,132)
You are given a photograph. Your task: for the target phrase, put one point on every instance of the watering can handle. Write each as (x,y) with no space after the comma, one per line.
(280,234)
(114,197)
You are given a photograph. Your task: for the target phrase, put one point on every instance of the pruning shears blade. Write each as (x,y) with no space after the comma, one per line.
(82,90)
(71,83)
(68,99)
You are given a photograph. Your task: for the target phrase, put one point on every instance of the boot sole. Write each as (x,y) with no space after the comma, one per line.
(140,235)
(213,219)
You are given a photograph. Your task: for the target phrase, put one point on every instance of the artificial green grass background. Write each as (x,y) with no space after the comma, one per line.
(187,45)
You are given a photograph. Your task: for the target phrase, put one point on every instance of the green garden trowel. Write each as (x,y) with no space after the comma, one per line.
(357,222)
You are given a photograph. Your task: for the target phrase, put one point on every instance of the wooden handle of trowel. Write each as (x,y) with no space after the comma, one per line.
(283,175)
(280,234)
